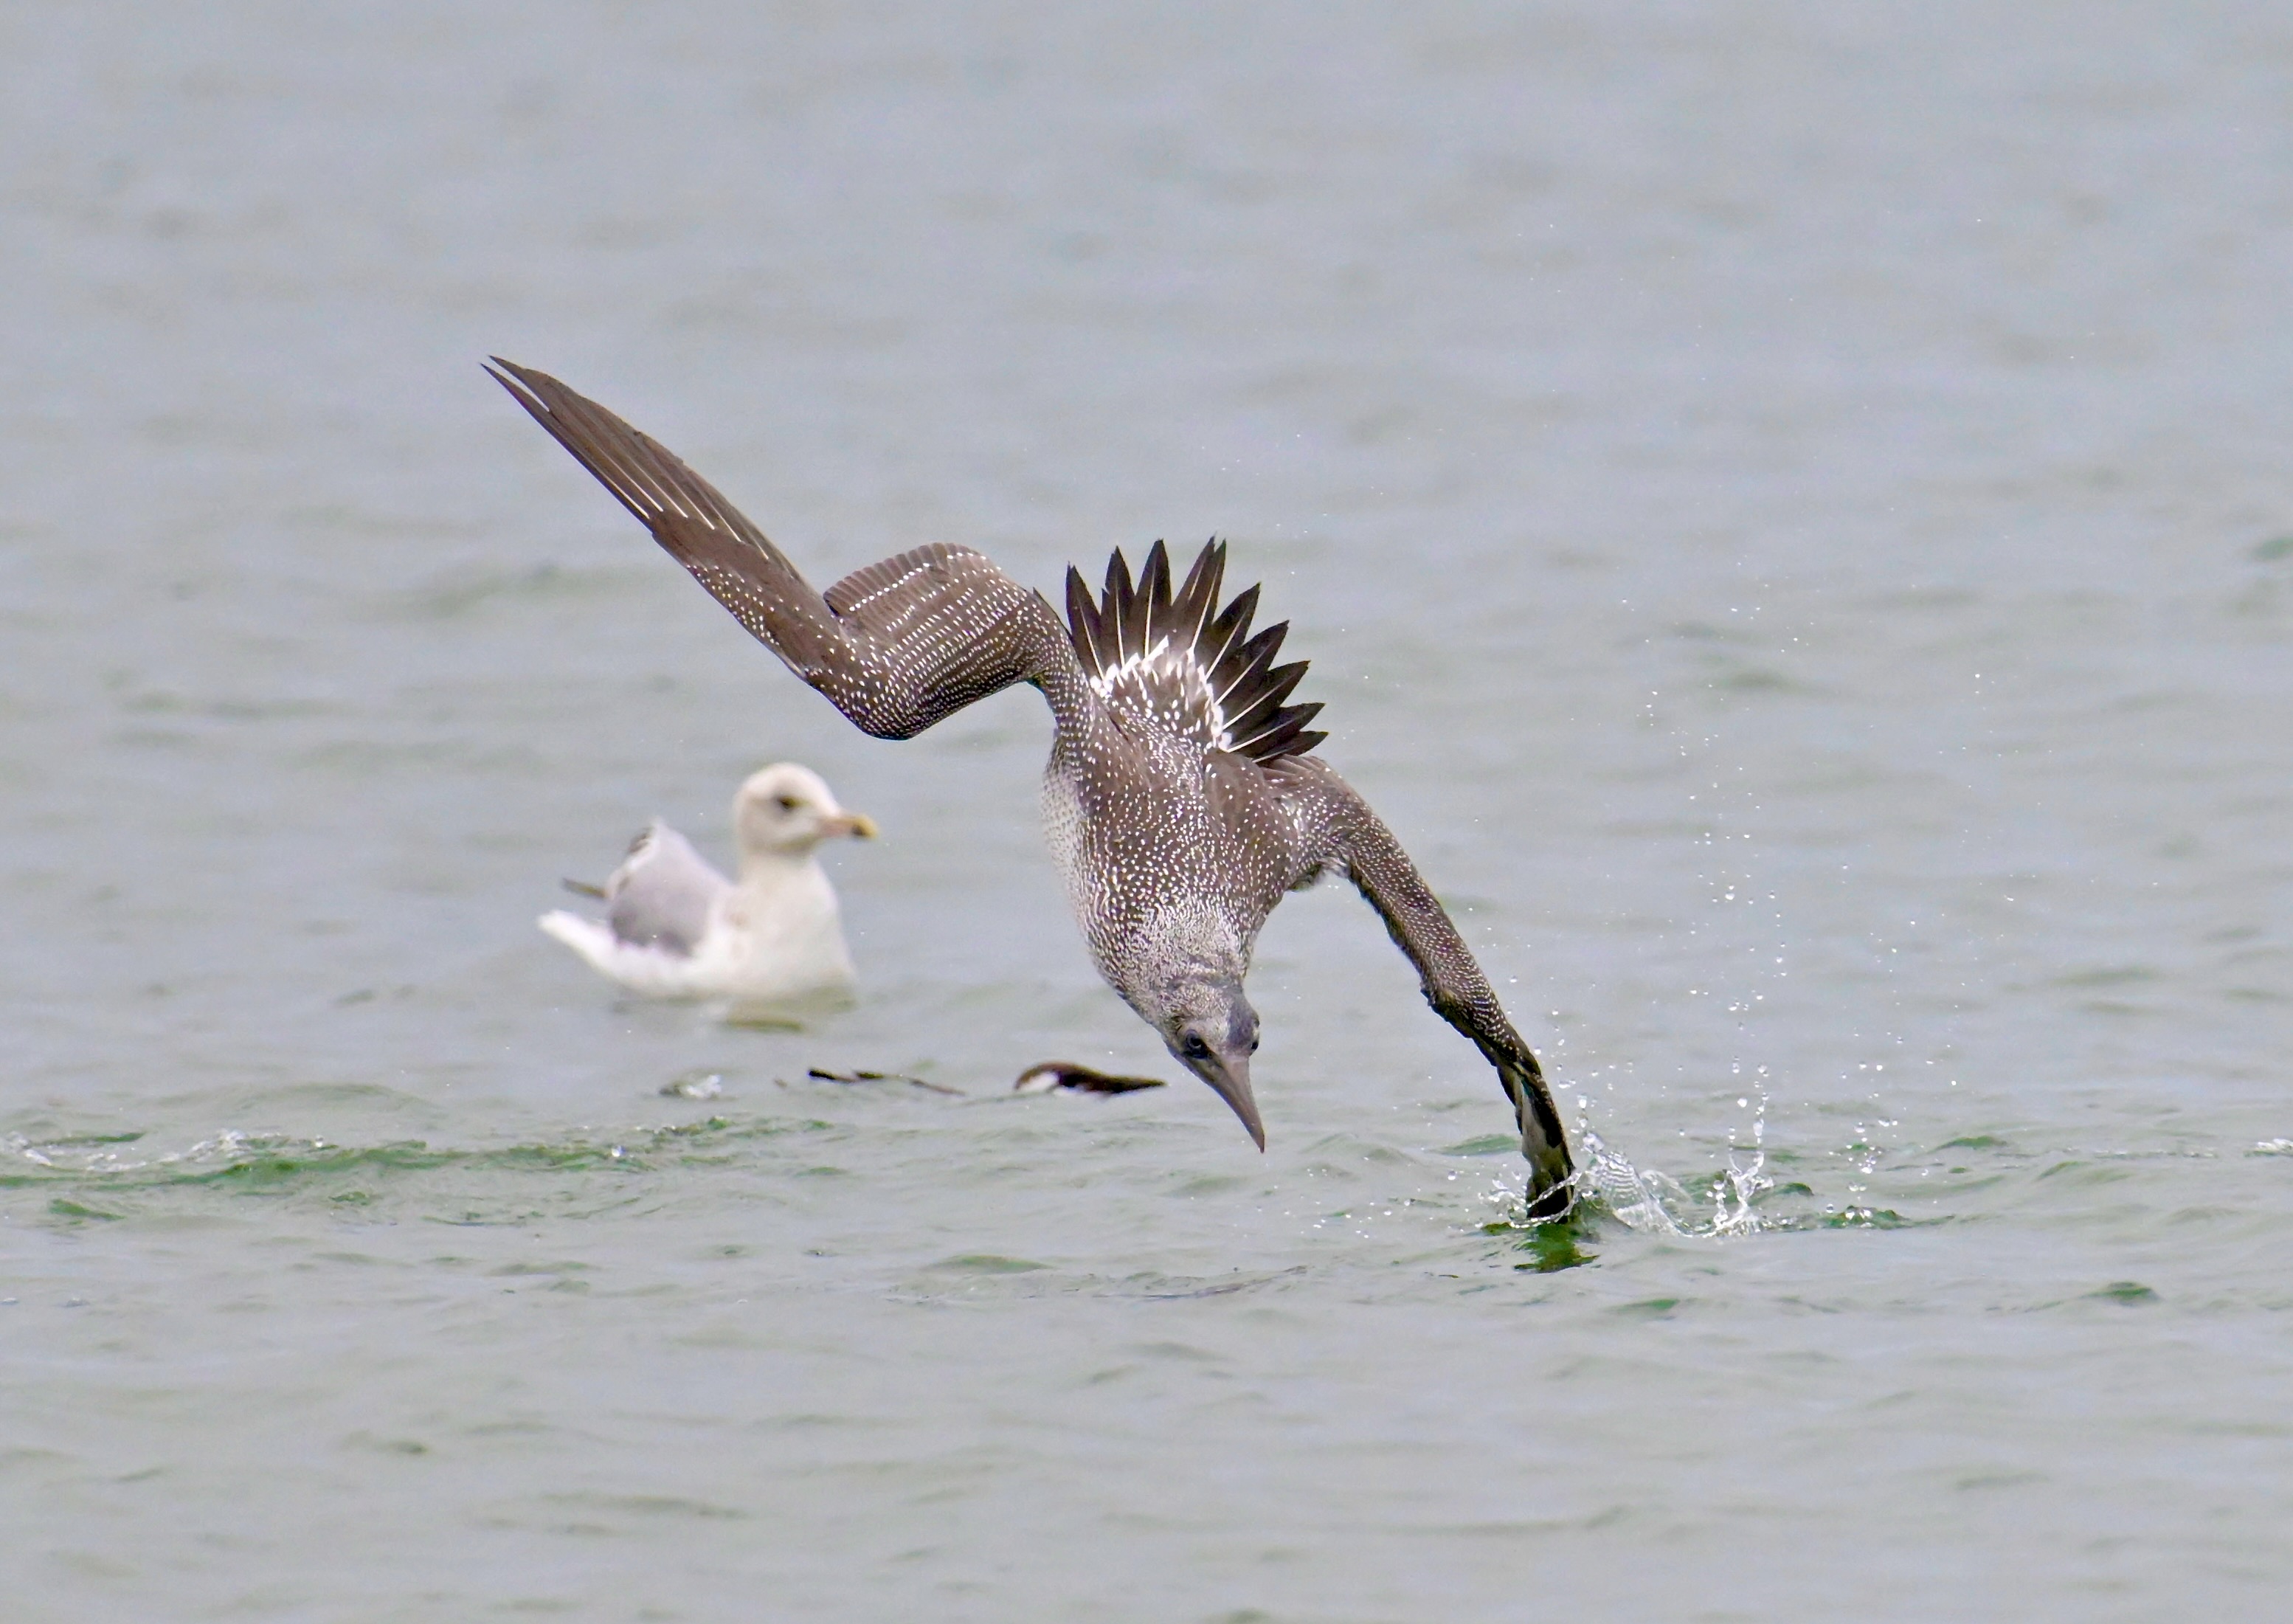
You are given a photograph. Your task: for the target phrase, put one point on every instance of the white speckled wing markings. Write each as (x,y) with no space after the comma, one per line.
(1341,831)
(1179,663)
(895,646)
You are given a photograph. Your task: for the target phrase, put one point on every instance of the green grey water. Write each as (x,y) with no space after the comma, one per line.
(1788,508)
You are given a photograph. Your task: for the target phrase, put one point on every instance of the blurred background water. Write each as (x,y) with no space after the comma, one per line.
(1788,507)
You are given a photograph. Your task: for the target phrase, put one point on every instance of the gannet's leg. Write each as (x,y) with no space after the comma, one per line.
(1343,832)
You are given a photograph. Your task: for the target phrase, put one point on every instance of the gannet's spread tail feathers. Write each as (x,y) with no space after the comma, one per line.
(895,646)
(1179,663)
(1343,834)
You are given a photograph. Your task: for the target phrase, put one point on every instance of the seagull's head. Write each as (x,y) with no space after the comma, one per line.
(1210,1029)
(784,810)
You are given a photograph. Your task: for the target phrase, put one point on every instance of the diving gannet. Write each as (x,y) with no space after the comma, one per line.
(1180,799)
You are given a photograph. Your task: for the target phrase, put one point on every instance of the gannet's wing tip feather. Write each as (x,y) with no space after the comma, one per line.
(896,646)
(645,477)
(1175,659)
(1344,833)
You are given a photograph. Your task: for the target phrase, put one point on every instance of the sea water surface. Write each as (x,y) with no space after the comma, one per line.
(1788,509)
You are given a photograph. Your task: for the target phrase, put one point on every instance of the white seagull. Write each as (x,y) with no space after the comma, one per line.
(771,941)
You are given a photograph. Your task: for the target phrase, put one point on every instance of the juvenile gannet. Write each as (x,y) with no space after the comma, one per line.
(1180,799)
(771,941)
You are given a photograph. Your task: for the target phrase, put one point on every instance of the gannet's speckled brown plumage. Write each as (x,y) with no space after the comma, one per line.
(1179,800)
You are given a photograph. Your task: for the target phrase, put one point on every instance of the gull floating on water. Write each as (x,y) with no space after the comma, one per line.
(1180,799)
(771,941)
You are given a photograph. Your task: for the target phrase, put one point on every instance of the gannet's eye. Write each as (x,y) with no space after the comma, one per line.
(1253,1043)
(1193,1047)
(788,803)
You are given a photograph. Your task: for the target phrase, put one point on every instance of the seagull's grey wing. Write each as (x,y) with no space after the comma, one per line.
(1343,832)
(895,646)
(661,895)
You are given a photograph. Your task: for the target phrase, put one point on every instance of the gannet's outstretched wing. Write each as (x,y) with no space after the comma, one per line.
(895,646)
(1343,832)
(662,893)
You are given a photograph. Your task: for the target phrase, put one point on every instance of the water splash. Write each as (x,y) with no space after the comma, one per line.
(1642,1201)
(1649,1201)
(1733,1193)
(1736,1188)
(99,1155)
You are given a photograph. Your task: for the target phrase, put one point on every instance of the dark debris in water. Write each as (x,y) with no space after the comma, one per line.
(875,1076)
(1075,1078)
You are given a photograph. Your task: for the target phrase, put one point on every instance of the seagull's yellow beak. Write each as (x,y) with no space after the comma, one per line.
(857,824)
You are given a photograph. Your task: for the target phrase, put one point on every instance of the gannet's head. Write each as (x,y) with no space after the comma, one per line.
(785,810)
(1210,1029)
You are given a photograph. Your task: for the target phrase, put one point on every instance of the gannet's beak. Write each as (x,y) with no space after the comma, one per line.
(1230,1077)
(858,825)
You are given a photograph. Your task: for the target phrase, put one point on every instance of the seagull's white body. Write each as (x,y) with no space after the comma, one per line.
(771,943)
(775,938)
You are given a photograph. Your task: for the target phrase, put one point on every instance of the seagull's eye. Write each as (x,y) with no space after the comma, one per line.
(788,803)
(1193,1047)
